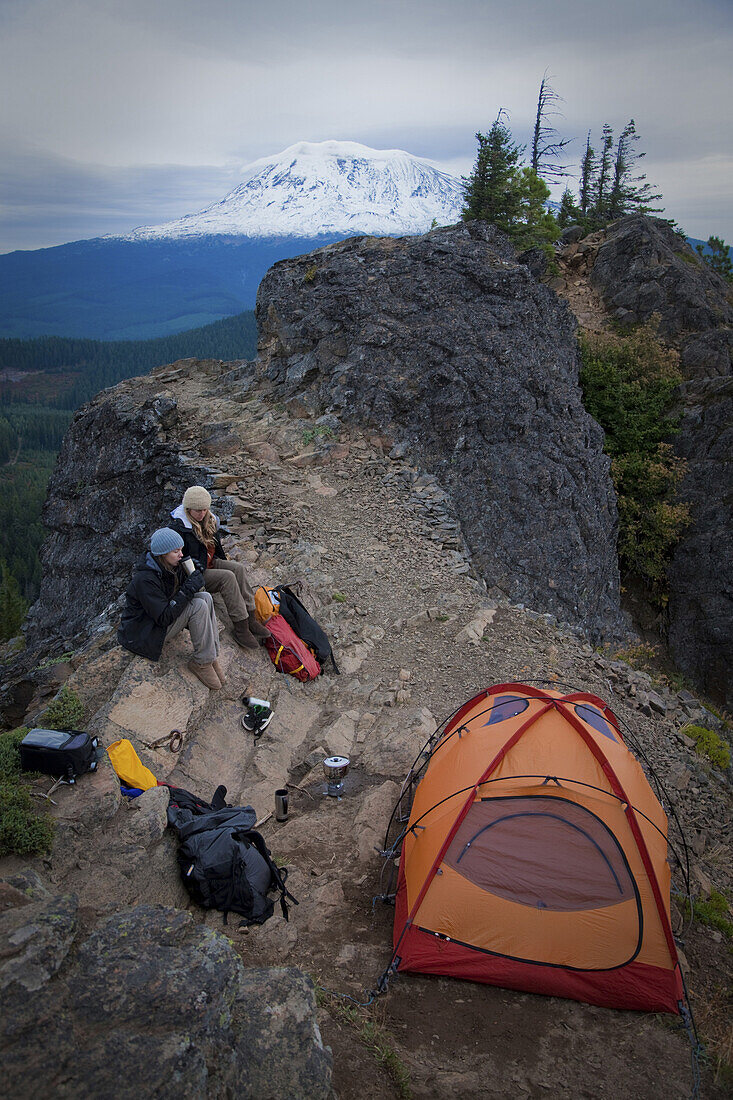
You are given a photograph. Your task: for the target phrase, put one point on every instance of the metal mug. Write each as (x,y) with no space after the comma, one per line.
(188,565)
(281,804)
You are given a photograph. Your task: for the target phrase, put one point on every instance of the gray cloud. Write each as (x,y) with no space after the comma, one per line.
(105,97)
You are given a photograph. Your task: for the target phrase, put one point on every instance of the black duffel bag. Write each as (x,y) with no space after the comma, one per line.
(62,753)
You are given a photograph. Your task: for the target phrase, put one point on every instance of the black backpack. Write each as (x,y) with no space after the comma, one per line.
(305,626)
(225,864)
(63,753)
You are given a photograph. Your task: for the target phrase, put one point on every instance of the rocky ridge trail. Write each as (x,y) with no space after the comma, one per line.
(383,564)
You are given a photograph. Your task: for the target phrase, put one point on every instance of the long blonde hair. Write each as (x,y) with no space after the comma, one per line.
(205,530)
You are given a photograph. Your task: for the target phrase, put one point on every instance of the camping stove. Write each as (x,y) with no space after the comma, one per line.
(334,770)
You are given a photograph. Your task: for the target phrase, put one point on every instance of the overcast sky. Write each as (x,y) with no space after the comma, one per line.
(118,113)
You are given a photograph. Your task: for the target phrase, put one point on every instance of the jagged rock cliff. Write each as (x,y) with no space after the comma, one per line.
(644,272)
(450,345)
(113,478)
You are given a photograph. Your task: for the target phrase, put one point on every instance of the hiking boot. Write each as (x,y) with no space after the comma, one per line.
(216,665)
(256,627)
(205,674)
(243,636)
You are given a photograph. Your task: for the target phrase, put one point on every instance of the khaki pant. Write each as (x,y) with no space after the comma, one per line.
(200,618)
(230,580)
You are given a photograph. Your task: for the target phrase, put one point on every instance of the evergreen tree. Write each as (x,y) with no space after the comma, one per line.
(718,257)
(509,195)
(629,192)
(536,227)
(587,177)
(569,212)
(12,606)
(599,209)
(492,191)
(546,145)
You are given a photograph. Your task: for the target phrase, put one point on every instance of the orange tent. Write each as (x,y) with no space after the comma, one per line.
(536,856)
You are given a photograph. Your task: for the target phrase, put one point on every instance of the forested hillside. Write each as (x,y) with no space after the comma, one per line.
(42,382)
(63,372)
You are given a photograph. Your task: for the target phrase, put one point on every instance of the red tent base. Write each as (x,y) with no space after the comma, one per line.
(634,986)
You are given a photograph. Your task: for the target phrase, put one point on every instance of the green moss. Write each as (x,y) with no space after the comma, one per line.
(310,274)
(689,258)
(338,597)
(709,743)
(66,712)
(51,661)
(715,913)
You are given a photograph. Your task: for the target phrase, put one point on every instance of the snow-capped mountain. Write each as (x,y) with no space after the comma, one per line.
(326,188)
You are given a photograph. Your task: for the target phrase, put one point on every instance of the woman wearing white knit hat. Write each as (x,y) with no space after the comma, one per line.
(199,528)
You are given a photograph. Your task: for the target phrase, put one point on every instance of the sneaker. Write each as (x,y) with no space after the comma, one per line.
(206,674)
(255,723)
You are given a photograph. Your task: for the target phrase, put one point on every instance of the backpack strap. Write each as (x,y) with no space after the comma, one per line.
(279,875)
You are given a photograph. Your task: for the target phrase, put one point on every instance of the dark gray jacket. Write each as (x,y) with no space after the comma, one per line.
(153,601)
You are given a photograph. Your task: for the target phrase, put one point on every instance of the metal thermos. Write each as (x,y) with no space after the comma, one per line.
(281,804)
(188,565)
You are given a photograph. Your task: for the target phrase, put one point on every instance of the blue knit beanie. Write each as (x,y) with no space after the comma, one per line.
(164,540)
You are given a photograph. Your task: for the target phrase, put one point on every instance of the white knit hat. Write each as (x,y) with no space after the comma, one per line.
(195,498)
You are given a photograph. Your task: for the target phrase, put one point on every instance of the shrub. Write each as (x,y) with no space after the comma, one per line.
(23,830)
(628,386)
(708,743)
(10,754)
(318,431)
(66,712)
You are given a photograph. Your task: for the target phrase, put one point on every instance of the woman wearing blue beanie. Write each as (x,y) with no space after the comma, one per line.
(162,599)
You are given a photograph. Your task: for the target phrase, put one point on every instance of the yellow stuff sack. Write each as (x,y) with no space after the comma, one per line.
(267,603)
(129,767)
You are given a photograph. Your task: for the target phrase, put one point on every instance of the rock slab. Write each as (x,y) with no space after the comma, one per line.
(149,1004)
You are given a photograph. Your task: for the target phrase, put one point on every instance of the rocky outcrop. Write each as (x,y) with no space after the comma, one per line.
(149,1004)
(117,475)
(644,269)
(701,573)
(451,346)
(647,272)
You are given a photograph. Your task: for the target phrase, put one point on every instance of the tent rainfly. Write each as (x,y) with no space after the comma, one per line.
(535,856)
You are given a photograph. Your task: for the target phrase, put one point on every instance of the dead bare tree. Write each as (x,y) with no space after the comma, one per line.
(547,146)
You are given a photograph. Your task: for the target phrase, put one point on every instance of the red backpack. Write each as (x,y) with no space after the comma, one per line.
(288,653)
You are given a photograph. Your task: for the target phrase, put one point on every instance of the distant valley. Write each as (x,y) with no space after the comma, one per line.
(112,289)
